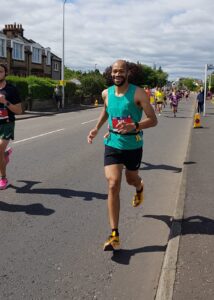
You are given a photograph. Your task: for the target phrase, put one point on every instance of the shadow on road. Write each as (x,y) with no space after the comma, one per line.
(66,193)
(189,162)
(123,256)
(149,166)
(31,209)
(191,225)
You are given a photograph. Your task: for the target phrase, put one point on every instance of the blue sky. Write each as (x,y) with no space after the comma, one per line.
(178,35)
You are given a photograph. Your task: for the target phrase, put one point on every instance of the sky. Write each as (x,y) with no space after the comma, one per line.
(177,35)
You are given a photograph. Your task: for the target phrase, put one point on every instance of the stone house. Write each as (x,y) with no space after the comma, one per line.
(26,57)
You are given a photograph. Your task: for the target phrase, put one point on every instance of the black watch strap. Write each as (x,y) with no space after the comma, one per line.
(137,126)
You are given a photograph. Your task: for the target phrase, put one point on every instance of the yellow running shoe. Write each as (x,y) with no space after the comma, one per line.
(112,243)
(138,197)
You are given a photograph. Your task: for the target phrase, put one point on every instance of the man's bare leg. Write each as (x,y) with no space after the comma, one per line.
(113,175)
(133,178)
(3,146)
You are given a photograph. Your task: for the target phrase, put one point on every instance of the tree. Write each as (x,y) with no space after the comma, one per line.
(188,83)
(92,84)
(70,74)
(161,77)
(140,75)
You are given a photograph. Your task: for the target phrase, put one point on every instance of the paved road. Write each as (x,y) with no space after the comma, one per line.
(195,266)
(53,217)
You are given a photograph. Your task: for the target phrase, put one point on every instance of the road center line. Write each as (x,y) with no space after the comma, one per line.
(37,136)
(89,121)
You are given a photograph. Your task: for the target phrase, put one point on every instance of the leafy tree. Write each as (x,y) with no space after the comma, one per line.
(161,77)
(70,74)
(92,84)
(188,83)
(140,75)
(135,74)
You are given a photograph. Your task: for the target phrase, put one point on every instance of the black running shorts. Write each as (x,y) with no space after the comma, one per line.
(131,159)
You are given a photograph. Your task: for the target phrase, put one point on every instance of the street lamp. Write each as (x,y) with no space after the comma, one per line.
(63,54)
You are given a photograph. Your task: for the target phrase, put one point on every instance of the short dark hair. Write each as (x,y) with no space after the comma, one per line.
(4,66)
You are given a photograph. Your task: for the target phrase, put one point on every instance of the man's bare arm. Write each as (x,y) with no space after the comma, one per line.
(143,101)
(15,108)
(103,115)
(102,119)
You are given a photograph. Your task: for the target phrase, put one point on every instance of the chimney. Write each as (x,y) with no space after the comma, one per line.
(13,30)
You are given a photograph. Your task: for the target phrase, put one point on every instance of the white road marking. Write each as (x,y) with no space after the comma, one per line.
(89,121)
(37,136)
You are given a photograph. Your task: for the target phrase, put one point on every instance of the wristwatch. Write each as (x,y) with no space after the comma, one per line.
(137,126)
(8,103)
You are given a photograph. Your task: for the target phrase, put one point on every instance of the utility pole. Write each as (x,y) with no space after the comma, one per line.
(63,55)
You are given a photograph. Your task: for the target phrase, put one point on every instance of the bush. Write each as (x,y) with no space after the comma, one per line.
(41,91)
(70,90)
(21,84)
(92,85)
(33,87)
(40,88)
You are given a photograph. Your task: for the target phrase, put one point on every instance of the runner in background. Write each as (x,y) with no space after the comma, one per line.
(159,97)
(10,104)
(174,99)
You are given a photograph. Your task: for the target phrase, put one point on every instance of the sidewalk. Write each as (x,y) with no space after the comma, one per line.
(34,114)
(195,265)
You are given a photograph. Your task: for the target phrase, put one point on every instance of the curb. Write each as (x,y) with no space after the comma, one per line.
(36,114)
(168,272)
(31,115)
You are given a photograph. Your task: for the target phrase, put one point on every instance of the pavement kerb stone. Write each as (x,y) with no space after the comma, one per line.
(168,271)
(36,114)
(30,115)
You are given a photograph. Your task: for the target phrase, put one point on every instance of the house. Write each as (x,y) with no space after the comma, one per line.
(26,57)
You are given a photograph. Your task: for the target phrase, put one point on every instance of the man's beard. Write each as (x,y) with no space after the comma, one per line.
(2,80)
(121,82)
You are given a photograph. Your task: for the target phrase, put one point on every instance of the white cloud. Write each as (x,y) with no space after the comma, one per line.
(178,34)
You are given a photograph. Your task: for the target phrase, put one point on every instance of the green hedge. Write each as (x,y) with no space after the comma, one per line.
(40,88)
(40,91)
(70,90)
(92,85)
(21,84)
(33,87)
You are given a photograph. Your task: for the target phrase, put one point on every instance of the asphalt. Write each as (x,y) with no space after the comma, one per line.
(195,265)
(188,268)
(34,114)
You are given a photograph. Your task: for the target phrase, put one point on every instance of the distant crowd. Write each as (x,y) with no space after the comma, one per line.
(160,97)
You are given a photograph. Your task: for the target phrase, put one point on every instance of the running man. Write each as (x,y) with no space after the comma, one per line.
(174,99)
(124,104)
(159,96)
(10,105)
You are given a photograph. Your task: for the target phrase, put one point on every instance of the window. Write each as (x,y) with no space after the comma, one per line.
(2,47)
(18,51)
(56,66)
(48,58)
(37,55)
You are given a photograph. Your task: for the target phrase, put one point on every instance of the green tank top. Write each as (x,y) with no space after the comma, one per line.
(123,108)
